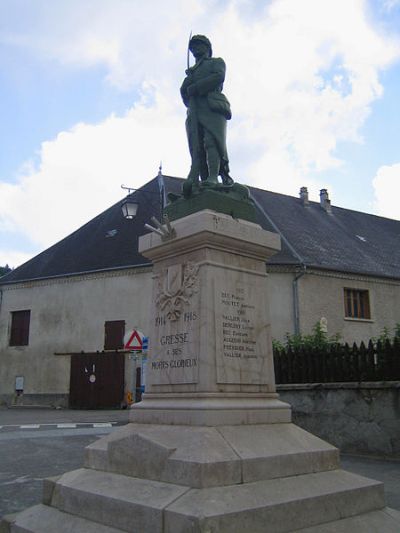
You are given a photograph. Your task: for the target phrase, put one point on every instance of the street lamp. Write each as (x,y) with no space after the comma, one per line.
(130,205)
(129,208)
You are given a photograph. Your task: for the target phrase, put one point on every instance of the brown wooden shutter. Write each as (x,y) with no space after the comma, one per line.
(20,321)
(114,332)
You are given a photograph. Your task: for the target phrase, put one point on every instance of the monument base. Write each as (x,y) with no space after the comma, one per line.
(148,478)
(210,409)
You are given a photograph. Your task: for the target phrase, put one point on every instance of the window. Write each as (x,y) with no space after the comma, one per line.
(19,335)
(356,303)
(114,332)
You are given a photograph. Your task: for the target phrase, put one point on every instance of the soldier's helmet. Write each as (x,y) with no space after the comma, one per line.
(203,39)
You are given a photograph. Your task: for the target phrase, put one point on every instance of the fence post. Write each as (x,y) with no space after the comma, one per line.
(363,366)
(289,359)
(355,363)
(277,366)
(371,373)
(396,358)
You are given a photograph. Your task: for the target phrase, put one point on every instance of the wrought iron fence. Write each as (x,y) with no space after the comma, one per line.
(378,361)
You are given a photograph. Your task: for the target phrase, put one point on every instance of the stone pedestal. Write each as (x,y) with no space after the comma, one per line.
(210,351)
(210,448)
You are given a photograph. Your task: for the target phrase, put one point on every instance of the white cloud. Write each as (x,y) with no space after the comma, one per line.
(133,40)
(387,191)
(301,78)
(82,169)
(13,258)
(305,79)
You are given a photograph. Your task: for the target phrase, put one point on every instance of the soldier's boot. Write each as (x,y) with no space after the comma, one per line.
(213,163)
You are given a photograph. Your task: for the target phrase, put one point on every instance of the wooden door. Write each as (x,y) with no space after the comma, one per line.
(97,381)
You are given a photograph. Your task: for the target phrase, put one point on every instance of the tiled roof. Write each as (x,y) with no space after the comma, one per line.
(108,241)
(346,240)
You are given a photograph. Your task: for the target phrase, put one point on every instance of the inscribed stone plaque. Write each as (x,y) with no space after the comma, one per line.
(175,350)
(242,335)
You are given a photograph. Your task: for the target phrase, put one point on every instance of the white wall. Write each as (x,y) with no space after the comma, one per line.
(67,315)
(280,290)
(321,295)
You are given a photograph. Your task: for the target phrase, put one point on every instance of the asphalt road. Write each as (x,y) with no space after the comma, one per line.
(50,446)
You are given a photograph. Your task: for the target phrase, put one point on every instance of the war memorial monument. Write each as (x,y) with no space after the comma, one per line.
(211,448)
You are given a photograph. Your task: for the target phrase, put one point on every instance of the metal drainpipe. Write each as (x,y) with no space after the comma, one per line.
(296,309)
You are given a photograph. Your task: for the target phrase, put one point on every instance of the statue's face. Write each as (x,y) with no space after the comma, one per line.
(199,49)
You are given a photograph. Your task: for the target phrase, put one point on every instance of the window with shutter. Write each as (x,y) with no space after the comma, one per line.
(114,332)
(20,322)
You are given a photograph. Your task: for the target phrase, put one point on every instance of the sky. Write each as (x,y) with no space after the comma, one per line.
(89,100)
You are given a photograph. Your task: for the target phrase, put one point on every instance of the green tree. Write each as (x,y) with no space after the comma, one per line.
(4,270)
(318,339)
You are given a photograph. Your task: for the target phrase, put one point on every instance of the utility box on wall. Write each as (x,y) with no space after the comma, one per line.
(19,385)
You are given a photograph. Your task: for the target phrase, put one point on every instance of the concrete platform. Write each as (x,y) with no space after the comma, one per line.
(137,505)
(146,478)
(127,503)
(278,505)
(211,456)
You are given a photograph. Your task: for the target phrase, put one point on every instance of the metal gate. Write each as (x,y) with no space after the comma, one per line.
(97,380)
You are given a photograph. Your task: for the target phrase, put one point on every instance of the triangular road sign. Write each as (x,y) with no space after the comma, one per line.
(134,341)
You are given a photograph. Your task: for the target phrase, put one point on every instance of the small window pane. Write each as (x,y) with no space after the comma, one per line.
(356,303)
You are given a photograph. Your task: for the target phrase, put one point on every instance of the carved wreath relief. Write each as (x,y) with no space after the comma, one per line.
(176,285)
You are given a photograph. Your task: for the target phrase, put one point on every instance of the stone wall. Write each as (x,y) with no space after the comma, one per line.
(355,417)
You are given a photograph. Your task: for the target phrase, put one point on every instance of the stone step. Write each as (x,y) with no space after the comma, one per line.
(275,506)
(208,457)
(387,521)
(127,503)
(44,519)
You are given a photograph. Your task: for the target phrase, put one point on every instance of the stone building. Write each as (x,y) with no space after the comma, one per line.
(88,291)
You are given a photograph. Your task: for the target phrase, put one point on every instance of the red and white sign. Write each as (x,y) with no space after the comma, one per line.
(134,341)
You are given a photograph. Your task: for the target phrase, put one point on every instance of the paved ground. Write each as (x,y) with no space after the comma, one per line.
(380,469)
(39,443)
(19,415)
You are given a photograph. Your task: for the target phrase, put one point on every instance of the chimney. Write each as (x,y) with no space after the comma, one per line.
(324,200)
(304,196)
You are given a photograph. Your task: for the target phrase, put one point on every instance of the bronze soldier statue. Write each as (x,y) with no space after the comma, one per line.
(208,111)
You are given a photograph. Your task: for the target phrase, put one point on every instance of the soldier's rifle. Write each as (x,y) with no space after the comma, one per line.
(193,123)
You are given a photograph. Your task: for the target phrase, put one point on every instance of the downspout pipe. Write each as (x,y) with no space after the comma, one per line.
(296,305)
